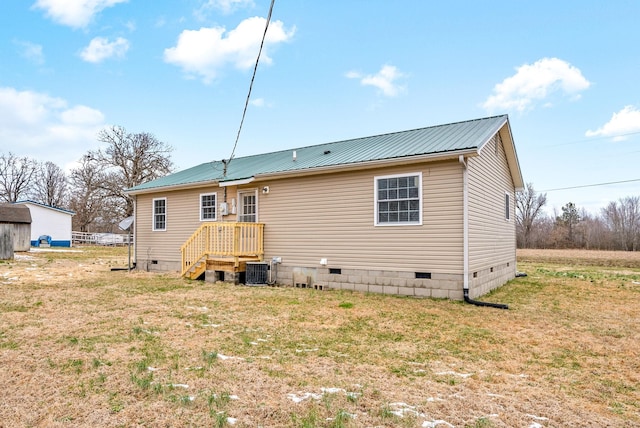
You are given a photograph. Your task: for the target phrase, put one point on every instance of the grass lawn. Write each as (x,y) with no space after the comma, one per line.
(84,346)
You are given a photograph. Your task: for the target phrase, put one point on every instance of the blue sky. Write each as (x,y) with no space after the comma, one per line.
(567,73)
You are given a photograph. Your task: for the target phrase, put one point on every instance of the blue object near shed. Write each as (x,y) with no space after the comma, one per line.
(43,241)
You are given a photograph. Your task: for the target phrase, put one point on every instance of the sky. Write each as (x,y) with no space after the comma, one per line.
(567,74)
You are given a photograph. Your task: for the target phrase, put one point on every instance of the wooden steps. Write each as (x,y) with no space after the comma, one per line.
(197,269)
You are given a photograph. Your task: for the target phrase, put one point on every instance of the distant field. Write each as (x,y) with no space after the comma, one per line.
(583,257)
(84,346)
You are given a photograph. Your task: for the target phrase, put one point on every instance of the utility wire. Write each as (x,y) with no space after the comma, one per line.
(246,104)
(592,185)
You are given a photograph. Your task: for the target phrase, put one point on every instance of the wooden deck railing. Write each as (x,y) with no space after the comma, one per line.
(223,239)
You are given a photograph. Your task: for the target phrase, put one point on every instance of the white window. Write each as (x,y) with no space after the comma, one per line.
(248,206)
(160,214)
(507,207)
(398,200)
(208,206)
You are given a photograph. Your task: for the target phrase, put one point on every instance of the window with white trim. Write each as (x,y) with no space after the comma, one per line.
(398,200)
(160,214)
(507,207)
(208,206)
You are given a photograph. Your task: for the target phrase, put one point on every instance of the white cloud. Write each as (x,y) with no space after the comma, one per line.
(258,102)
(80,115)
(205,51)
(626,121)
(101,48)
(45,128)
(74,13)
(537,81)
(385,80)
(31,51)
(131,25)
(224,6)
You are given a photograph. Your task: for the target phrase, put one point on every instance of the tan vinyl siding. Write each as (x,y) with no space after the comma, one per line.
(326,216)
(332,217)
(491,236)
(183,218)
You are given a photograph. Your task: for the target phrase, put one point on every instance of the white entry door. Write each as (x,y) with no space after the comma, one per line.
(248,210)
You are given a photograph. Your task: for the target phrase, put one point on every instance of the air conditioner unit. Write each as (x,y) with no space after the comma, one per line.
(257,273)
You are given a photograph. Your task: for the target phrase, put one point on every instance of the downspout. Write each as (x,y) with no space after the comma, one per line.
(135,231)
(465,238)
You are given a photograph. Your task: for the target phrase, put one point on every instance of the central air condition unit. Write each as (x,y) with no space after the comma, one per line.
(257,273)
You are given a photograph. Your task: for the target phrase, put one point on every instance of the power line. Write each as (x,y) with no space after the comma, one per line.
(246,104)
(592,185)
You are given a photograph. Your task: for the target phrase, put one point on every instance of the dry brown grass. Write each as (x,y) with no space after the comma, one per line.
(84,346)
(582,257)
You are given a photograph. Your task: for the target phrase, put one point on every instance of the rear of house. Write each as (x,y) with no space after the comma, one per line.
(426,212)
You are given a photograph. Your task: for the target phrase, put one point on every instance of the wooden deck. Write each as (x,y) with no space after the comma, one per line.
(222,246)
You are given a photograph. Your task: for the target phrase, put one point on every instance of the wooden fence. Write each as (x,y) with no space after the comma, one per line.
(106,239)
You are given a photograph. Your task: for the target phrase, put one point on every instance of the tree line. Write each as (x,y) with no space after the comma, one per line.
(615,227)
(95,189)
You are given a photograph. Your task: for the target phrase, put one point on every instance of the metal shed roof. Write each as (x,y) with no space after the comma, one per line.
(49,207)
(435,141)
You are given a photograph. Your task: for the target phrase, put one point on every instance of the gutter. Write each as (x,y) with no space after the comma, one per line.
(172,187)
(465,238)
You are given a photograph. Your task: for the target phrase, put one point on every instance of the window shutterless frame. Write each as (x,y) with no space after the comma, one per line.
(507,206)
(159,220)
(208,206)
(398,200)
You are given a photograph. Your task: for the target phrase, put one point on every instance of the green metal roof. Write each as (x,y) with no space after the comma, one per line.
(435,140)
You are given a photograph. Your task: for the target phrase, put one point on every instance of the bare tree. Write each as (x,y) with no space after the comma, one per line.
(50,185)
(623,219)
(542,235)
(597,235)
(130,159)
(87,197)
(16,177)
(528,210)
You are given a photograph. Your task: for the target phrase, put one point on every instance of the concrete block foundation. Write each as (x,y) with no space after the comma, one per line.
(400,283)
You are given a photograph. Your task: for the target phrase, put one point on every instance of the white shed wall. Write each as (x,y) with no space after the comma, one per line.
(47,221)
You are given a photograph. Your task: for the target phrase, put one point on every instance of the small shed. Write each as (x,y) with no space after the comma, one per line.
(19,217)
(51,223)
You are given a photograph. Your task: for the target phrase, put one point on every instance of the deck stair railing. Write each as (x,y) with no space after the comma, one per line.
(225,240)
